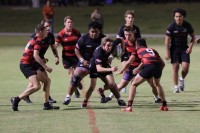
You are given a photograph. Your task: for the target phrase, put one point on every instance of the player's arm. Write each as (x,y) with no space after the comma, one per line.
(127,64)
(137,69)
(40,61)
(167,46)
(103,69)
(55,52)
(80,57)
(192,41)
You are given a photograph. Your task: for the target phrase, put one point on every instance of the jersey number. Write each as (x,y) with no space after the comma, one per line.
(150,51)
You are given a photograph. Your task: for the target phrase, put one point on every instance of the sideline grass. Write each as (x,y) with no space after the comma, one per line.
(151,18)
(182,117)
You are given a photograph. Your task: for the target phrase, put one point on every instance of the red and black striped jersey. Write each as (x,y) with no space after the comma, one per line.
(33,44)
(148,55)
(131,50)
(68,41)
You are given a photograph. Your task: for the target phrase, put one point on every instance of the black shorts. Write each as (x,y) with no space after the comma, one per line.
(28,70)
(151,70)
(37,66)
(69,61)
(179,55)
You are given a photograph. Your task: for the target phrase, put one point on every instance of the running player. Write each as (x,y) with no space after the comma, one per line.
(68,38)
(177,48)
(84,51)
(101,68)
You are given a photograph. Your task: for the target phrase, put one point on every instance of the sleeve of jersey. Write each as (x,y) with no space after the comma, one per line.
(138,33)
(117,41)
(119,33)
(52,39)
(58,38)
(98,60)
(80,43)
(169,31)
(37,45)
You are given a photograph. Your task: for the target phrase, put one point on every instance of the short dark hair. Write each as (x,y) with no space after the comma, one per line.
(95,25)
(127,28)
(181,11)
(39,28)
(44,21)
(141,42)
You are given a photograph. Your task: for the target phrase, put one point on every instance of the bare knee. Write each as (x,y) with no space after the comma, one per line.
(36,87)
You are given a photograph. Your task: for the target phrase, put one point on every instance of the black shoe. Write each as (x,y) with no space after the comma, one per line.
(27,99)
(51,100)
(67,101)
(105,99)
(47,106)
(121,103)
(77,94)
(158,100)
(15,101)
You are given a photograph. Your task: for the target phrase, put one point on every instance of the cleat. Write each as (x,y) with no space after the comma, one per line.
(105,99)
(181,84)
(47,106)
(121,103)
(67,101)
(84,104)
(51,100)
(176,90)
(158,100)
(77,94)
(164,108)
(15,103)
(127,109)
(27,99)
(101,92)
(123,90)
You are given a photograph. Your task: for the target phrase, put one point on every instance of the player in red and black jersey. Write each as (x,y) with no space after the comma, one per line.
(84,50)
(130,65)
(129,17)
(68,38)
(30,55)
(100,67)
(177,48)
(151,67)
(49,40)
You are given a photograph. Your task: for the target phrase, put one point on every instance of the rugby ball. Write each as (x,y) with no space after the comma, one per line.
(117,52)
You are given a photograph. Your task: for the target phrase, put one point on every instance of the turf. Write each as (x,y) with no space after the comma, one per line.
(183,115)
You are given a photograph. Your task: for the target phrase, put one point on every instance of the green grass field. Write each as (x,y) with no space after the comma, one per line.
(182,117)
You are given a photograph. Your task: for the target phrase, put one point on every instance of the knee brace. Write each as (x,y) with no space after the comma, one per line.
(75,80)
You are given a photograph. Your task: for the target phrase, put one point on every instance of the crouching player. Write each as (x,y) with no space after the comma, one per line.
(27,66)
(101,68)
(151,67)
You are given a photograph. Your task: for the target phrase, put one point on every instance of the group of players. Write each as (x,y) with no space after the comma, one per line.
(91,54)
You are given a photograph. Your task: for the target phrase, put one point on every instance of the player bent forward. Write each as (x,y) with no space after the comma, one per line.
(151,67)
(27,66)
(100,68)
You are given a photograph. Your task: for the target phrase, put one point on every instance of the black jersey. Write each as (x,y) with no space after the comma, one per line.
(179,34)
(101,57)
(134,28)
(87,45)
(49,40)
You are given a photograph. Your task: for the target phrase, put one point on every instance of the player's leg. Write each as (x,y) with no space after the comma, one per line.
(89,91)
(154,90)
